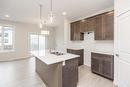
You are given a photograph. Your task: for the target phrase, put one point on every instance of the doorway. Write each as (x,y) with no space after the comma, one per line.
(36,43)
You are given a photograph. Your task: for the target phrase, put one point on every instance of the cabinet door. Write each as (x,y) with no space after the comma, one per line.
(96,65)
(91,23)
(99,34)
(107,67)
(108,25)
(77,31)
(72,31)
(83,26)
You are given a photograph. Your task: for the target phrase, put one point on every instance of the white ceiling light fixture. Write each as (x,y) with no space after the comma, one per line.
(7,16)
(64,13)
(0,27)
(51,15)
(45,31)
(40,25)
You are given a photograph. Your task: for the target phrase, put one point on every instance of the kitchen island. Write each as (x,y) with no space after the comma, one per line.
(57,70)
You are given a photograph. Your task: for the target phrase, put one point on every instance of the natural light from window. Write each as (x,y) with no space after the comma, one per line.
(6,38)
(37,43)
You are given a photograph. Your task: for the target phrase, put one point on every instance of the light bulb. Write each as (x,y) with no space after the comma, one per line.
(45,32)
(40,25)
(0,27)
(64,13)
(51,17)
(7,16)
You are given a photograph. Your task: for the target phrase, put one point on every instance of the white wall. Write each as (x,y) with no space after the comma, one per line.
(59,34)
(22,40)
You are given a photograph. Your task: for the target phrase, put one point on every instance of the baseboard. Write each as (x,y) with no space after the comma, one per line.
(115,83)
(15,59)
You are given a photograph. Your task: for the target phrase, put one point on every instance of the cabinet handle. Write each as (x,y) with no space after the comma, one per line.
(117,55)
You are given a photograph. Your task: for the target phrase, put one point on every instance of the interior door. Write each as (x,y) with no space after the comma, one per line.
(123,26)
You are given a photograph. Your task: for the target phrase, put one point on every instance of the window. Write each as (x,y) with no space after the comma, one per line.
(6,38)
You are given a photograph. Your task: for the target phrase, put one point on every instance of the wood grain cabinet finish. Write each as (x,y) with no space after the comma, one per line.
(91,24)
(98,32)
(88,24)
(79,52)
(108,20)
(102,25)
(76,34)
(105,26)
(57,75)
(103,65)
(83,26)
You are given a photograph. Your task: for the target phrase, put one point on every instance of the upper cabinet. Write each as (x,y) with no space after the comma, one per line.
(83,26)
(108,26)
(76,34)
(102,25)
(98,31)
(105,26)
(91,24)
(88,24)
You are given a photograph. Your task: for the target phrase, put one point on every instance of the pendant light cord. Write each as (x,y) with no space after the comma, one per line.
(40,12)
(51,5)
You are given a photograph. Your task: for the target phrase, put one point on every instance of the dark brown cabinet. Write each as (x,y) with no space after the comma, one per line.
(96,65)
(83,25)
(105,26)
(91,24)
(88,24)
(98,32)
(103,64)
(75,31)
(108,20)
(102,25)
(79,52)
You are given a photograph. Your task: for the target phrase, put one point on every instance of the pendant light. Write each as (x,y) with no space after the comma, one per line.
(45,31)
(51,15)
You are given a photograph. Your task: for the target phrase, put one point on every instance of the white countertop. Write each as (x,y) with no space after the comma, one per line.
(48,58)
(104,52)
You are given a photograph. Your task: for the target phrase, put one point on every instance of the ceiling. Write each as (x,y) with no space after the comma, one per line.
(28,10)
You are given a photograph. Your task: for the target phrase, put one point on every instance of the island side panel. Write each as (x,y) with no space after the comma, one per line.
(50,74)
(70,73)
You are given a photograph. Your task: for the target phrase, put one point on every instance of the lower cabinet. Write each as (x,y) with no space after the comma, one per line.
(79,52)
(103,65)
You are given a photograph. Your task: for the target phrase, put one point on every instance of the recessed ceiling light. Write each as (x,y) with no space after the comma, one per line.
(64,13)
(7,16)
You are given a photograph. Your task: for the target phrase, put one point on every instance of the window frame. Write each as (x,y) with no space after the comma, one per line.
(13,38)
